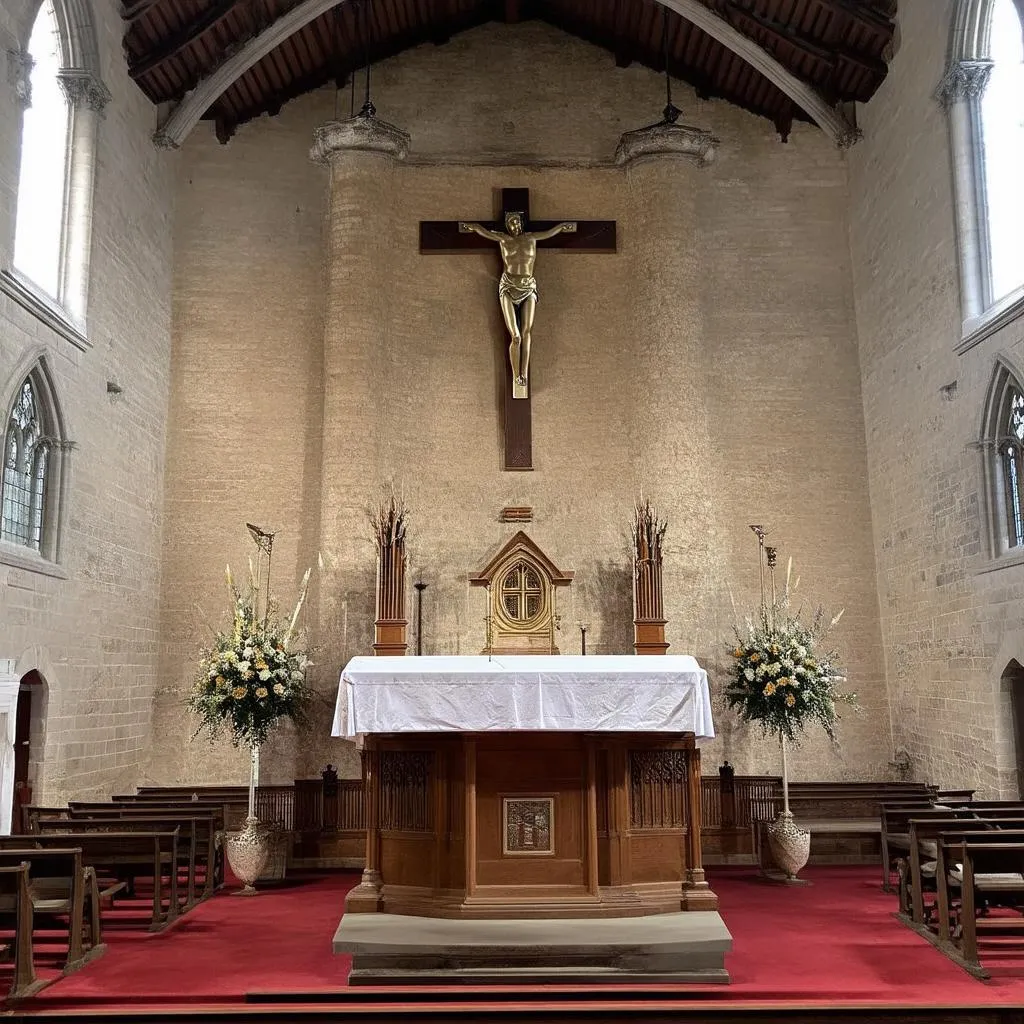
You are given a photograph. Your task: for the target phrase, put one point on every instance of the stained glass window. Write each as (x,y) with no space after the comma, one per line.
(1012,449)
(26,460)
(521,592)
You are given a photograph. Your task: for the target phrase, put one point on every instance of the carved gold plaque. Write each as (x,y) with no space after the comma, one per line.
(528,825)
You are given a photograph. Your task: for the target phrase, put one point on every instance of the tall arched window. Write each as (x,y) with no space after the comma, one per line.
(34,450)
(1002,131)
(42,181)
(983,92)
(1003,438)
(56,78)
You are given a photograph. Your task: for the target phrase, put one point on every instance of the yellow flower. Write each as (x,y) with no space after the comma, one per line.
(279,688)
(755,657)
(238,692)
(784,681)
(790,699)
(738,653)
(261,692)
(248,674)
(260,664)
(769,689)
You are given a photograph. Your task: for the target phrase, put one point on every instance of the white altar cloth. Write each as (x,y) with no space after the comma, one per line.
(600,693)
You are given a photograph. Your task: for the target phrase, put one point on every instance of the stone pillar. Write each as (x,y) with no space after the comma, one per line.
(87,96)
(675,463)
(360,156)
(10,686)
(960,92)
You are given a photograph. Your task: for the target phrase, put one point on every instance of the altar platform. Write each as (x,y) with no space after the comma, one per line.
(546,809)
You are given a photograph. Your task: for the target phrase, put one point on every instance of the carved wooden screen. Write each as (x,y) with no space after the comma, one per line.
(405,804)
(657,789)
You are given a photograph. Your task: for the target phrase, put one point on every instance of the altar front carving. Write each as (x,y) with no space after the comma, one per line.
(519,825)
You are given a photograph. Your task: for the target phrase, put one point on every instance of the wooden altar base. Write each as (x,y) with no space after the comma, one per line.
(395,949)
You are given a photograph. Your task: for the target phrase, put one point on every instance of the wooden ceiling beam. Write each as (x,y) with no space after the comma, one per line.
(860,13)
(133,11)
(183,38)
(781,33)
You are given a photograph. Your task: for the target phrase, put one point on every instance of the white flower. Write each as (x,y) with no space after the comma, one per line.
(749,674)
(247,653)
(265,675)
(801,651)
(774,669)
(281,673)
(787,663)
(760,671)
(296,675)
(243,666)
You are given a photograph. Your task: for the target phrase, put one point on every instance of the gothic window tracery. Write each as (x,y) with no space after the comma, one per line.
(24,481)
(34,454)
(1004,447)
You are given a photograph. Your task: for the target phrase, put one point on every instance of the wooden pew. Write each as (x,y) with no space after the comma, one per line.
(60,884)
(895,827)
(993,866)
(188,831)
(925,835)
(16,908)
(136,853)
(201,827)
(31,814)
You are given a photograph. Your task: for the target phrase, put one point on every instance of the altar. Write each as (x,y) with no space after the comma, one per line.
(509,796)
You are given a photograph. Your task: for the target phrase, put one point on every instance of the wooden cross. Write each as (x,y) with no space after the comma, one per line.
(440,237)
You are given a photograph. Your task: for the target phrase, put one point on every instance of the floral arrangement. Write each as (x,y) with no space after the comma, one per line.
(254,673)
(782,677)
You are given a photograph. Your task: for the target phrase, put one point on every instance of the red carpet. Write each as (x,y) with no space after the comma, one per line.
(834,941)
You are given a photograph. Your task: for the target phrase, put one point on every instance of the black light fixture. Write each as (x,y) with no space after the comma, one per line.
(368,109)
(667,136)
(671,112)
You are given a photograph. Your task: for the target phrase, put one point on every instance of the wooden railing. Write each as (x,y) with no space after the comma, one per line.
(737,801)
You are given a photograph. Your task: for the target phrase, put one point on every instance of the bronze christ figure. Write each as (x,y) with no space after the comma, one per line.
(517,289)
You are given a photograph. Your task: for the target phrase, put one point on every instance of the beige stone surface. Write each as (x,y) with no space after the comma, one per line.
(712,361)
(94,635)
(951,617)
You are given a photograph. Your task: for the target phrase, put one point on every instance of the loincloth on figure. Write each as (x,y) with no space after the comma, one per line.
(517,287)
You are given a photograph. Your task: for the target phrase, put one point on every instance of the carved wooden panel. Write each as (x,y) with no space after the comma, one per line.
(657,788)
(405,803)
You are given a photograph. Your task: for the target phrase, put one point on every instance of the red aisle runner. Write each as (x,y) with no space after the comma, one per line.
(835,940)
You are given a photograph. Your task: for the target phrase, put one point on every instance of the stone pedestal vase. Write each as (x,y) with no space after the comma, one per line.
(790,844)
(247,852)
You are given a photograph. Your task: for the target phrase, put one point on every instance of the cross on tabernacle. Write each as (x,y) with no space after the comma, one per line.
(438,237)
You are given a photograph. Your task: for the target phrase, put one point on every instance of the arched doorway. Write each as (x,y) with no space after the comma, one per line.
(28,742)
(1012,682)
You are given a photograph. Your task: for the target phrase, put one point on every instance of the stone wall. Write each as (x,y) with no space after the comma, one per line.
(951,617)
(712,361)
(91,630)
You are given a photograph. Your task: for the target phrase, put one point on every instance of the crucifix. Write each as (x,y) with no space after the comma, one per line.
(516,239)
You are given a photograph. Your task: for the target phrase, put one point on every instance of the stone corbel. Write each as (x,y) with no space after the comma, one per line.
(364,133)
(963,80)
(697,144)
(84,89)
(19,74)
